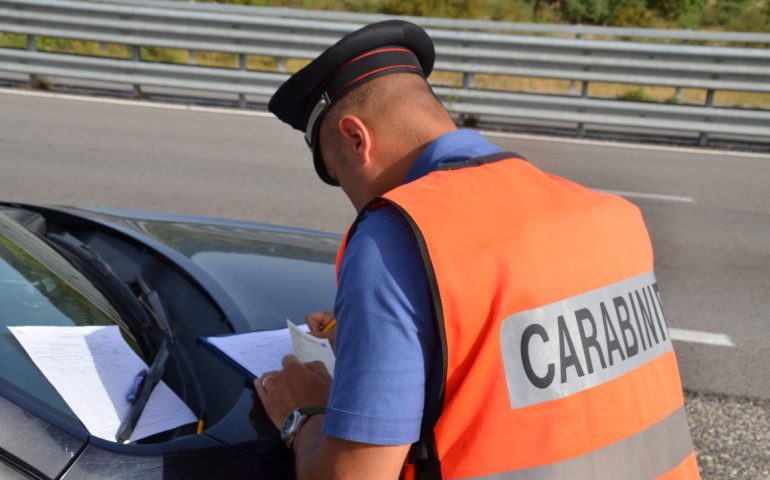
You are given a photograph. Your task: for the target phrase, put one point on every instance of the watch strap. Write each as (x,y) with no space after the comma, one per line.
(310,411)
(304,414)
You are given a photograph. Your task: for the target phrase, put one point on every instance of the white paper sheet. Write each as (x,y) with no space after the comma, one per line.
(257,352)
(308,348)
(262,351)
(93,369)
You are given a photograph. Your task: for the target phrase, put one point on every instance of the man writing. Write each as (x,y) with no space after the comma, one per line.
(493,321)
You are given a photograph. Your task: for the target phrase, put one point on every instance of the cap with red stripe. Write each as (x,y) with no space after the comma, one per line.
(392,46)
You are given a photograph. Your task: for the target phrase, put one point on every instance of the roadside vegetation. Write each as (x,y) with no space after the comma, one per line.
(721,15)
(727,15)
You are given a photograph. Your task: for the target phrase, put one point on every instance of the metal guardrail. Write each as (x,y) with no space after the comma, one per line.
(268,32)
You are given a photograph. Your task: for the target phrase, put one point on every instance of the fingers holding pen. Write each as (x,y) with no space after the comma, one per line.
(320,322)
(323,325)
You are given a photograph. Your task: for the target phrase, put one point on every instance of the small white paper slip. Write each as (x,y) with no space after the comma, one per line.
(308,348)
(93,369)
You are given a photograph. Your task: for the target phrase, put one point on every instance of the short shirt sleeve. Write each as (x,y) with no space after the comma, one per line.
(385,337)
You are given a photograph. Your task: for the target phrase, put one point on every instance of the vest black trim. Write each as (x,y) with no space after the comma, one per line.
(475,162)
(423,453)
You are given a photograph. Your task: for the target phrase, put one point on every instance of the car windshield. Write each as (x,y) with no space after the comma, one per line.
(39,287)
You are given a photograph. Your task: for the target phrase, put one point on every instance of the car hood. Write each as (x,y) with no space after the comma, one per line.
(266,272)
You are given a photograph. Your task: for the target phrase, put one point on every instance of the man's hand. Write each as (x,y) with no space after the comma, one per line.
(297,385)
(319,456)
(318,321)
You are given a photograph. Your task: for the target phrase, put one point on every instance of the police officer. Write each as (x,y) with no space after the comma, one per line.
(494,321)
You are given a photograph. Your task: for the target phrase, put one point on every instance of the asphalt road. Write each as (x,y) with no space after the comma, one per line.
(708,213)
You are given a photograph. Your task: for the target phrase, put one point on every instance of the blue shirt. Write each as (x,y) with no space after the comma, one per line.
(386,340)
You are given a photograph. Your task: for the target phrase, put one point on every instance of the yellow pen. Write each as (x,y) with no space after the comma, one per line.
(330,325)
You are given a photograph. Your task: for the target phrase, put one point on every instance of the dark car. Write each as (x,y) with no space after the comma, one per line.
(62,266)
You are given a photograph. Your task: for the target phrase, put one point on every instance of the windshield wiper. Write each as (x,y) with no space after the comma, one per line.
(151,300)
(104,279)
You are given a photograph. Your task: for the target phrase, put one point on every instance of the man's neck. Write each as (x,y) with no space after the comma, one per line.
(402,157)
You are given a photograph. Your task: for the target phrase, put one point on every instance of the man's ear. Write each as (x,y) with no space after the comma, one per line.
(356,135)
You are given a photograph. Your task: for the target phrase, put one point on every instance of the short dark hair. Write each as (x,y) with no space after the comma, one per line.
(382,95)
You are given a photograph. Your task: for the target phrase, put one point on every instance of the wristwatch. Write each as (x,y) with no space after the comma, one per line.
(295,420)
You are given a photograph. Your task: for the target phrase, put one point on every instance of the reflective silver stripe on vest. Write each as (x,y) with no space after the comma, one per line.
(578,343)
(643,456)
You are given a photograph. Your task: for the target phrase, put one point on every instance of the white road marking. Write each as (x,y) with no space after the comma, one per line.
(706,338)
(238,111)
(635,146)
(136,103)
(648,196)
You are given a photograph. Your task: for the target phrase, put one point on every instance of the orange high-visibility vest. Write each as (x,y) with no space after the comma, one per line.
(557,359)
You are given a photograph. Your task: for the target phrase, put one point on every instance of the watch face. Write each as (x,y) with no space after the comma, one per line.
(290,424)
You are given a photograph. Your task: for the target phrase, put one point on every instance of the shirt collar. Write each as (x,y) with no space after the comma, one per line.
(454,146)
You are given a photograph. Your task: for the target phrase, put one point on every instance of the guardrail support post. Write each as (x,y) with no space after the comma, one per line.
(282,64)
(573,83)
(469,81)
(137,57)
(242,66)
(32,47)
(191,57)
(581,128)
(704,137)
(678,92)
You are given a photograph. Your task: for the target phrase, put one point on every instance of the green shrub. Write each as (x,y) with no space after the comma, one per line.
(435,8)
(81,47)
(585,11)
(13,40)
(510,10)
(673,9)
(164,55)
(725,14)
(631,13)
(636,94)
(258,3)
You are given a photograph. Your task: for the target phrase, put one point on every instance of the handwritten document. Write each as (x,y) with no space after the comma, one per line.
(93,369)
(262,351)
